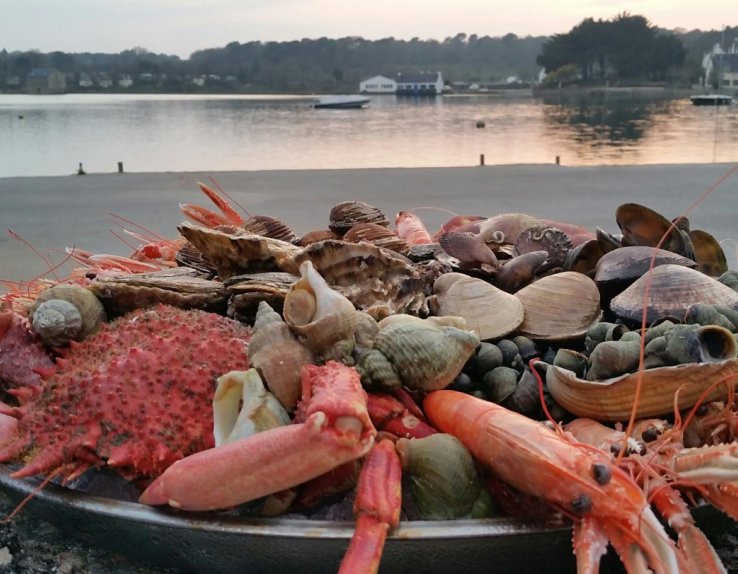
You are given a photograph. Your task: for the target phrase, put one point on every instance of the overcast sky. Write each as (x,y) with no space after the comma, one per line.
(183,26)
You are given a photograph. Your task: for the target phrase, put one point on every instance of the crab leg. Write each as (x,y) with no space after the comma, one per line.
(336,430)
(377,508)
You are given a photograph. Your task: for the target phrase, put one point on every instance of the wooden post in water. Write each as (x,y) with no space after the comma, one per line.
(558,160)
(120,167)
(481,159)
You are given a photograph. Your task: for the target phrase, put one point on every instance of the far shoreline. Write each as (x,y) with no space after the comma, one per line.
(52,212)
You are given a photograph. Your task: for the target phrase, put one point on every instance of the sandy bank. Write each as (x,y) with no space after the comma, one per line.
(54,212)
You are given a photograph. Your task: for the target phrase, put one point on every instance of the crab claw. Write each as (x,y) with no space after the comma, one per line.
(336,430)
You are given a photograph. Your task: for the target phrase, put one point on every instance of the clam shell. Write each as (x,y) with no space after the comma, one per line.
(673,288)
(367,275)
(233,254)
(348,213)
(708,253)
(559,307)
(612,399)
(489,312)
(317,235)
(642,225)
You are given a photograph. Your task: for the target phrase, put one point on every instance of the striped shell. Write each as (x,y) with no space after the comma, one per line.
(346,214)
(378,235)
(269,227)
(672,289)
(65,313)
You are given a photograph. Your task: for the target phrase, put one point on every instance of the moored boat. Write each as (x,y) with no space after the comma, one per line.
(712,100)
(341,102)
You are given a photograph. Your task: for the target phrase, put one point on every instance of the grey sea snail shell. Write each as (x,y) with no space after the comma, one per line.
(66,313)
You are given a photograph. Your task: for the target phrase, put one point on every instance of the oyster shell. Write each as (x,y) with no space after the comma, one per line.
(489,312)
(368,275)
(182,287)
(233,254)
(672,289)
(346,214)
(612,399)
(249,290)
(559,307)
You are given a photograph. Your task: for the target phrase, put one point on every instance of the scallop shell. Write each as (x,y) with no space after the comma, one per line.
(324,319)
(348,213)
(559,307)
(65,313)
(277,354)
(378,235)
(232,254)
(317,235)
(269,226)
(612,399)
(489,312)
(368,275)
(673,288)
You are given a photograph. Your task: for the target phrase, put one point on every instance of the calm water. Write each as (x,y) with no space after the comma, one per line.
(50,135)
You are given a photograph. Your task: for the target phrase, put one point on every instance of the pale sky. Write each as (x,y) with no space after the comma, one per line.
(182,26)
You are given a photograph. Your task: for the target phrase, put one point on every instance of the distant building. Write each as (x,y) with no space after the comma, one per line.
(46,81)
(125,81)
(721,67)
(730,71)
(378,85)
(419,84)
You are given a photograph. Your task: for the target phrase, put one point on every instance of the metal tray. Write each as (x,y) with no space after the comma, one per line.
(224,545)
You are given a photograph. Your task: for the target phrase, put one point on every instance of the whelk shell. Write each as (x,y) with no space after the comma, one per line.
(489,312)
(277,354)
(673,288)
(612,399)
(559,307)
(65,313)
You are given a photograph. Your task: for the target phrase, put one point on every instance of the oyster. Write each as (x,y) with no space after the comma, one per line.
(249,290)
(234,253)
(182,287)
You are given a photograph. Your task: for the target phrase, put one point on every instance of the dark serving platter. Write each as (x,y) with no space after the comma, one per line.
(224,545)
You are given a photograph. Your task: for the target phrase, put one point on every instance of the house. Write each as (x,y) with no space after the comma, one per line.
(721,68)
(378,85)
(730,71)
(46,81)
(420,84)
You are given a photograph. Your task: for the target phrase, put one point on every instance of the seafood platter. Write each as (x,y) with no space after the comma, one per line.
(374,394)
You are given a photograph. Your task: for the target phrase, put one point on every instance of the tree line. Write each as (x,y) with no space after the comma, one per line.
(624,49)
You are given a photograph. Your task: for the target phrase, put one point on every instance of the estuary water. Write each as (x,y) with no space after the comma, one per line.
(51,135)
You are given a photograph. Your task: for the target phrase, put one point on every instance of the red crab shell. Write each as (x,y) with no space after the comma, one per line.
(135,396)
(21,353)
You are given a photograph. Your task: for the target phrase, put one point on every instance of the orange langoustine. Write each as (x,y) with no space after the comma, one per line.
(374,294)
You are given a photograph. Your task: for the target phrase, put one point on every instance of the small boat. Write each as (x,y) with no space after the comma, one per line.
(341,102)
(712,100)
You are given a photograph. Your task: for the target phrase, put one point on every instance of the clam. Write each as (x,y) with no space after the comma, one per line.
(277,354)
(317,235)
(520,271)
(348,213)
(489,312)
(559,307)
(367,275)
(469,250)
(662,389)
(584,257)
(671,291)
(420,354)
(232,254)
(619,268)
(322,317)
(65,313)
